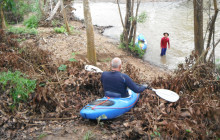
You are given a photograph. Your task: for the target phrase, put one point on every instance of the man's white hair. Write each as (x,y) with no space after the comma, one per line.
(116,62)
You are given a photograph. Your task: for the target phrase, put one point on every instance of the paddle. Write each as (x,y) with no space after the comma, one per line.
(165,94)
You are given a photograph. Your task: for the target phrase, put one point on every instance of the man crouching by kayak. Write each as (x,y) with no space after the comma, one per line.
(115,83)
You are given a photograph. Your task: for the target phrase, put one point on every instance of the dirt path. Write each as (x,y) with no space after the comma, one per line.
(62,46)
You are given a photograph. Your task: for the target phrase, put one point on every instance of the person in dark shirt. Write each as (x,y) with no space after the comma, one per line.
(116,82)
(163,44)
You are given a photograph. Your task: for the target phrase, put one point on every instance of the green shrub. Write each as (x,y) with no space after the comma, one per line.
(19,86)
(22,30)
(136,50)
(62,29)
(89,135)
(142,17)
(32,22)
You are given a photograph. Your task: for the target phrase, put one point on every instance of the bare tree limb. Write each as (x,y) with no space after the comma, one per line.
(2,18)
(65,17)
(211,55)
(135,28)
(54,11)
(212,24)
(120,15)
(41,9)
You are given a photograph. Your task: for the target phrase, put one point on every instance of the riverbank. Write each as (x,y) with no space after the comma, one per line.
(62,46)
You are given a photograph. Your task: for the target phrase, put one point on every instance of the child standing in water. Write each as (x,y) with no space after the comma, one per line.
(163,44)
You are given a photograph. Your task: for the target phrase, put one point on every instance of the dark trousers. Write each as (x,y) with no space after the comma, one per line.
(163,51)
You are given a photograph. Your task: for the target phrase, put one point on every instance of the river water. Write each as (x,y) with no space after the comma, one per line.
(176,18)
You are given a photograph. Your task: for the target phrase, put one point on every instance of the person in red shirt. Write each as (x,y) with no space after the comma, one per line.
(163,44)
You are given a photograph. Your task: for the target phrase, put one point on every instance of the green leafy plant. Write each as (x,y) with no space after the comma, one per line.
(19,86)
(73,58)
(187,130)
(22,30)
(62,29)
(122,46)
(142,17)
(62,67)
(55,23)
(136,50)
(42,136)
(32,22)
(106,60)
(89,135)
(100,118)
(155,134)
(22,7)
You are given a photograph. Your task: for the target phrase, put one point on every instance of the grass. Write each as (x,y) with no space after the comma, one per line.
(88,136)
(62,30)
(22,30)
(41,136)
(105,60)
(19,85)
(32,22)
(100,118)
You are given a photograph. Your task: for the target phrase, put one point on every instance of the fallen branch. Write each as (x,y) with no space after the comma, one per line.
(53,119)
(54,11)
(211,55)
(25,62)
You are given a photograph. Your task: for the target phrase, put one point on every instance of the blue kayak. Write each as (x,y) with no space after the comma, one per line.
(109,107)
(141,42)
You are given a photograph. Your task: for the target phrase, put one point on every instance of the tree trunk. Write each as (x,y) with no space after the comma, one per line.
(91,54)
(212,28)
(134,25)
(127,22)
(41,9)
(119,9)
(2,18)
(198,26)
(65,17)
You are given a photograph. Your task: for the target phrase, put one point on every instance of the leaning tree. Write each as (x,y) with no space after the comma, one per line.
(130,22)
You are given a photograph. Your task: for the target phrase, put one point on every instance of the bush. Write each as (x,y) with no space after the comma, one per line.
(136,50)
(62,29)
(32,22)
(22,30)
(19,86)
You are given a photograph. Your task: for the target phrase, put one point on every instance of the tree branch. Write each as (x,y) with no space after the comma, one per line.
(120,15)
(54,11)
